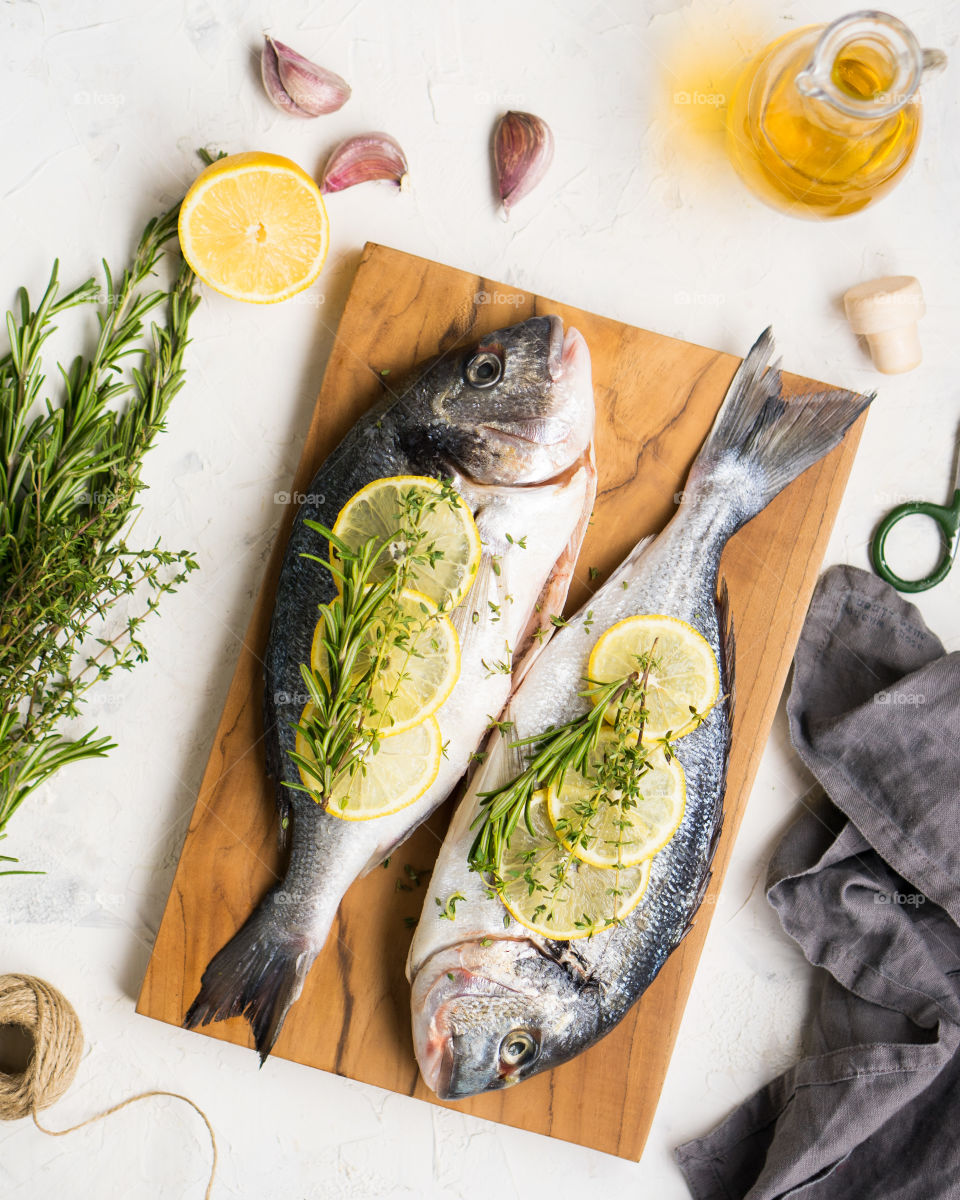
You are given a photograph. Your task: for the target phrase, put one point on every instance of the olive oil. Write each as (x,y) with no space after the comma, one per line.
(826,120)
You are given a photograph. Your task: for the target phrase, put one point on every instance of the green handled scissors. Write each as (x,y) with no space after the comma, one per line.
(947,518)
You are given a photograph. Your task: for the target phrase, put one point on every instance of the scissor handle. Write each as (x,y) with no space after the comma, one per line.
(947,518)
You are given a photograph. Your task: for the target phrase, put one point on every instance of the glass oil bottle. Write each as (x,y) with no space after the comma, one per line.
(826,119)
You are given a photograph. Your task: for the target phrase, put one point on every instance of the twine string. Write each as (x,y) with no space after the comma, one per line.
(54,1029)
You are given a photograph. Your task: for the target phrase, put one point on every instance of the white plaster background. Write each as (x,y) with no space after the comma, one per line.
(101,107)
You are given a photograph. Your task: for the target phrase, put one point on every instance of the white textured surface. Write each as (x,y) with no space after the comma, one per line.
(102,105)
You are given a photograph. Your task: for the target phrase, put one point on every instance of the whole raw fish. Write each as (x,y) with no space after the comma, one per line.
(511,422)
(494,1002)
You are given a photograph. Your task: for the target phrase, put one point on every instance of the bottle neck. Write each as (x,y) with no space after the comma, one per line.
(864,68)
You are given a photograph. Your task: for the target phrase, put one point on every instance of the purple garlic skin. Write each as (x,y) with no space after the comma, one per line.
(362,159)
(296,85)
(522,154)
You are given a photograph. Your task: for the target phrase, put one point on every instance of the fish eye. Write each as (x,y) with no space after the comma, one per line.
(518,1047)
(484,369)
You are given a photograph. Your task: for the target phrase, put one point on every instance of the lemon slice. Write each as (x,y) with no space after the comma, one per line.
(628,826)
(549,890)
(446,522)
(418,671)
(684,673)
(397,775)
(254,227)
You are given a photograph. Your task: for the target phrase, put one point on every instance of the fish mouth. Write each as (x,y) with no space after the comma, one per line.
(568,350)
(440,1073)
(449,1087)
(434,1039)
(548,431)
(442,1084)
(567,357)
(433,1045)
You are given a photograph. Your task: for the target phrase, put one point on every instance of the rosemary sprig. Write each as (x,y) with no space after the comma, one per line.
(616,777)
(69,486)
(618,774)
(346,724)
(564,748)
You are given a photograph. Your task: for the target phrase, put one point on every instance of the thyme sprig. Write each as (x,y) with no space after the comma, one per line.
(363,627)
(69,486)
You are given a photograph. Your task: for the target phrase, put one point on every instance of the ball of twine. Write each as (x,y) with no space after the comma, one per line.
(56,1034)
(54,1028)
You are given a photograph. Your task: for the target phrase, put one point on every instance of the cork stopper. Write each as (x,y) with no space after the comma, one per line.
(885,312)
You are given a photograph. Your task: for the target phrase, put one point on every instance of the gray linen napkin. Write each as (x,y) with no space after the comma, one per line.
(869,887)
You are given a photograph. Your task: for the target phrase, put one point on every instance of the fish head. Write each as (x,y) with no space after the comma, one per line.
(515,409)
(489,1014)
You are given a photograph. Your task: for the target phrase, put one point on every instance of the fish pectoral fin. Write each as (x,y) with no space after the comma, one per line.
(553,596)
(504,760)
(473,610)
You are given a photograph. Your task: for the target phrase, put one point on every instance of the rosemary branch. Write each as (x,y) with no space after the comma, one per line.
(615,776)
(70,479)
(564,748)
(344,722)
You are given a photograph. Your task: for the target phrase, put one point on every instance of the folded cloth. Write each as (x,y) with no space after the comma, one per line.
(868,885)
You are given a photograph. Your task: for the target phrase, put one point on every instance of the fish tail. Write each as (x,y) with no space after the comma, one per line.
(258,974)
(772,440)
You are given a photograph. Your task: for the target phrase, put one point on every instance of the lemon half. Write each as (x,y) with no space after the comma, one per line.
(254,227)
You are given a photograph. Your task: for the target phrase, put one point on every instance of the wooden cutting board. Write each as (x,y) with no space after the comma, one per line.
(656,398)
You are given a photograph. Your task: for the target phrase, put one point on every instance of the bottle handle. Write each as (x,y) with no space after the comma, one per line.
(933,62)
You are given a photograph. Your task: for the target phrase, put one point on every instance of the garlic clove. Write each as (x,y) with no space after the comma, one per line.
(522,154)
(296,85)
(361,159)
(270,74)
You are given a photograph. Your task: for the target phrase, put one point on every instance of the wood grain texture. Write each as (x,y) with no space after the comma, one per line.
(656,398)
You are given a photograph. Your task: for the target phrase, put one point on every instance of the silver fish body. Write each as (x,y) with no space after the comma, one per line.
(511,422)
(494,1002)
